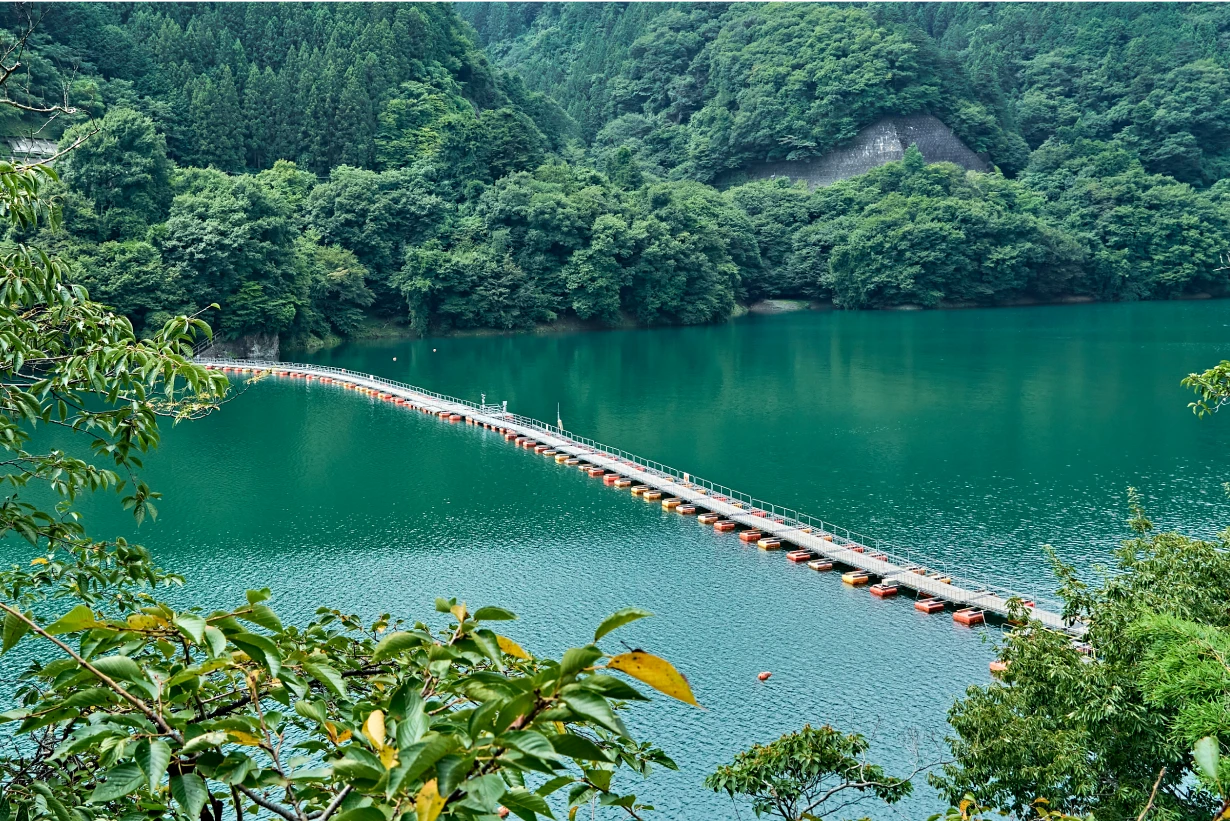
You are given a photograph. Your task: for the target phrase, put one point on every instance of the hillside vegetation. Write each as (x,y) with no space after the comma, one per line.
(309,168)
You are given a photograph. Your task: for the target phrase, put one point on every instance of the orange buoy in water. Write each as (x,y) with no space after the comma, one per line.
(765,676)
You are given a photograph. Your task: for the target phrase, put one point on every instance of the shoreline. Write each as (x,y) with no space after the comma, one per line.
(393,329)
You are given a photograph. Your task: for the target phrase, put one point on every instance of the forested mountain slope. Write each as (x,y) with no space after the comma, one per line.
(239,84)
(316,169)
(1151,76)
(760,82)
(709,87)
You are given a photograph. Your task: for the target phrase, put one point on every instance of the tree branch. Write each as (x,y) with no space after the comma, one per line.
(1152,795)
(333,805)
(260,801)
(150,713)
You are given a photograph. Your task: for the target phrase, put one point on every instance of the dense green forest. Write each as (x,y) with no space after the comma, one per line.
(322,170)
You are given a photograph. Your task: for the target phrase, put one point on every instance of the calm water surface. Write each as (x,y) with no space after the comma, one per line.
(974,436)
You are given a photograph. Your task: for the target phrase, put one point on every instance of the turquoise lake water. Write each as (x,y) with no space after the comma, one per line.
(972,436)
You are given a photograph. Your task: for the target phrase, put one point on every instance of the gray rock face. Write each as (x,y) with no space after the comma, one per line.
(881,142)
(252,346)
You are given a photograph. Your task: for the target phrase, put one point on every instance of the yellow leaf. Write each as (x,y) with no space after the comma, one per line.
(39,560)
(373,728)
(334,736)
(140,621)
(429,802)
(658,673)
(459,610)
(388,757)
(511,647)
(244,738)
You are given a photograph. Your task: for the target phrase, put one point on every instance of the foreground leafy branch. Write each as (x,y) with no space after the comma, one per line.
(179,713)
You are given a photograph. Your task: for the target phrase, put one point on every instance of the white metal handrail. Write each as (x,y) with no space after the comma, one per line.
(843,537)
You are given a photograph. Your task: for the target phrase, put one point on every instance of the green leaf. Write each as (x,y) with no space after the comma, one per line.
(75,620)
(361,814)
(262,616)
(1207,753)
(258,596)
(311,710)
(216,640)
(614,688)
(483,792)
(554,784)
(578,747)
(525,804)
(120,781)
(119,667)
(327,676)
(153,757)
(14,629)
(395,643)
(54,804)
(493,614)
(261,649)
(190,793)
(414,723)
(192,626)
(417,759)
(358,765)
(528,742)
(577,659)
(593,707)
(580,794)
(203,742)
(236,767)
(89,697)
(489,643)
(619,619)
(600,778)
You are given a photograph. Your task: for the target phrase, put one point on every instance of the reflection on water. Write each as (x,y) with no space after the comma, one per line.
(976,435)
